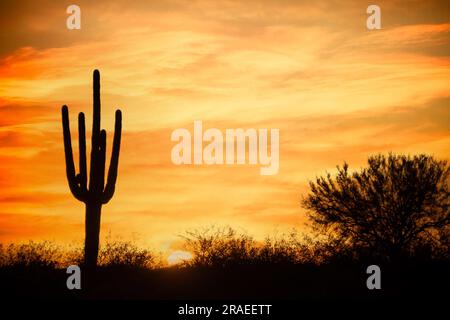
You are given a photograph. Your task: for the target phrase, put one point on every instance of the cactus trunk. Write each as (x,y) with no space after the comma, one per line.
(92,228)
(98,193)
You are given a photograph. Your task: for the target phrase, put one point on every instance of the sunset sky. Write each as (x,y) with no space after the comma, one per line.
(335,90)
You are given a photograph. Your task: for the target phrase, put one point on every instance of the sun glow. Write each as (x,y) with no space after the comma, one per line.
(178,257)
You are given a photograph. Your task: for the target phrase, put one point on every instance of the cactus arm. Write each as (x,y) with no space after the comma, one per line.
(96,108)
(93,176)
(101,161)
(114,163)
(72,179)
(82,148)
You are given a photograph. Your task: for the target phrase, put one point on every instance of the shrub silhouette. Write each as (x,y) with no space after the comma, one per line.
(397,207)
(48,255)
(98,193)
(288,248)
(224,247)
(219,247)
(125,254)
(30,255)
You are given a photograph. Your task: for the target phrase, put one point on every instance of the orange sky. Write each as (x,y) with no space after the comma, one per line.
(334,89)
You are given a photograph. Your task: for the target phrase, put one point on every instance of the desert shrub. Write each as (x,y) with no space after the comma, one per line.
(116,253)
(73,255)
(287,248)
(49,255)
(329,249)
(214,246)
(225,246)
(40,254)
(2,255)
(32,254)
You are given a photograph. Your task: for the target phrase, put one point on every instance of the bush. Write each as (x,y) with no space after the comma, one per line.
(222,247)
(125,254)
(32,254)
(219,247)
(49,255)
(288,248)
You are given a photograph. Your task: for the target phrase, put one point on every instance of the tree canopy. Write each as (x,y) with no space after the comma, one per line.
(396,207)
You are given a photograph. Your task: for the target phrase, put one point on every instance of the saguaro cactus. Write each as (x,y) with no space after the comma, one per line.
(98,193)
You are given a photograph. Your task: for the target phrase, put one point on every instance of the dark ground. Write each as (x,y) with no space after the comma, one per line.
(415,281)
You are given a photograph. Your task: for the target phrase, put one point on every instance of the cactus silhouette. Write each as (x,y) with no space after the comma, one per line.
(97,193)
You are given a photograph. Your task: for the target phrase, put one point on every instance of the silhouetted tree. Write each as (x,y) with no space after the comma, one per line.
(395,207)
(98,193)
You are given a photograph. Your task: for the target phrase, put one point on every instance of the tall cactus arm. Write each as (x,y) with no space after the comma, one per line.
(70,167)
(82,147)
(114,163)
(95,148)
(96,108)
